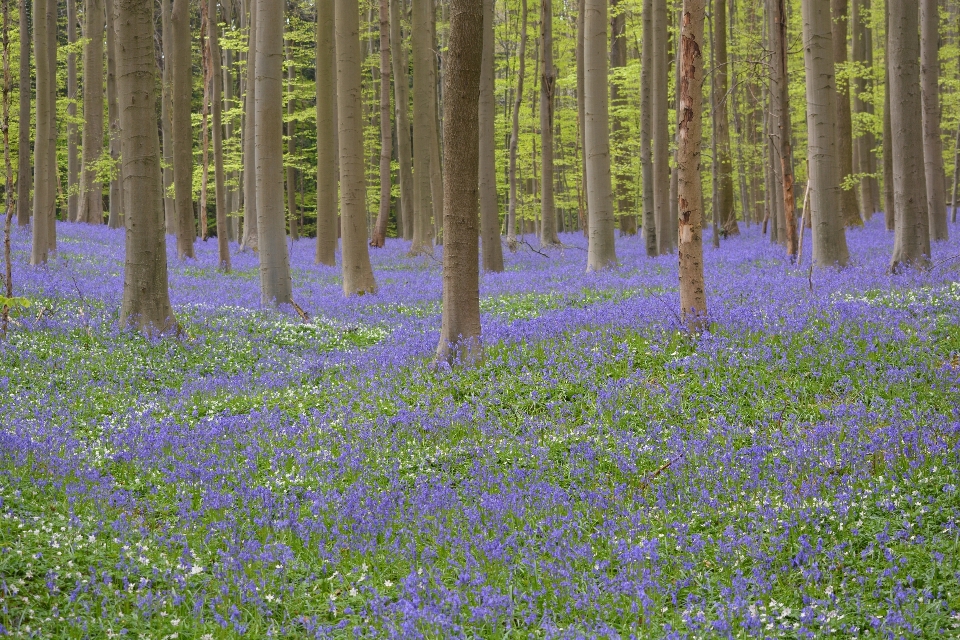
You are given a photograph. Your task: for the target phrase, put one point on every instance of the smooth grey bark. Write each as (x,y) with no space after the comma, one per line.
(216,98)
(386,130)
(460,323)
(865,162)
(601,252)
(781,121)
(661,140)
(424,119)
(515,128)
(250,216)
(829,239)
(166,117)
(45,145)
(327,151)
(930,104)
(548,87)
(889,204)
(90,207)
(849,207)
(401,87)
(73,134)
(293,216)
(115,217)
(911,247)
(182,63)
(728,212)
(146,299)
(623,180)
(489,211)
(24,165)
(581,115)
(276,287)
(357,273)
(646,131)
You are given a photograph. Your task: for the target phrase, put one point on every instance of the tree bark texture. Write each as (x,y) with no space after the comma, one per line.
(661,139)
(24,165)
(115,217)
(865,161)
(728,212)
(780,114)
(327,151)
(220,178)
(166,117)
(182,62)
(424,118)
(623,181)
(889,204)
(401,85)
(45,145)
(73,135)
(386,132)
(91,189)
(646,131)
(293,215)
(489,209)
(930,101)
(250,217)
(515,126)
(849,208)
(548,87)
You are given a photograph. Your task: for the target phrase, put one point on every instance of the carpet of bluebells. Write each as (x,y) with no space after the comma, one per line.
(791,473)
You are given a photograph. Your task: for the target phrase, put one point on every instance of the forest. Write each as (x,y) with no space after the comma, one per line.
(480,319)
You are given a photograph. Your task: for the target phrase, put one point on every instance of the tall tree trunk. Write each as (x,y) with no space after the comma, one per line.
(401,87)
(424,93)
(204,122)
(849,209)
(357,273)
(73,138)
(728,212)
(601,252)
(581,112)
(166,116)
(622,178)
(661,138)
(548,86)
(693,298)
(24,166)
(865,164)
(889,204)
(489,211)
(91,190)
(646,130)
(829,240)
(220,178)
(780,113)
(45,159)
(460,325)
(275,285)
(293,217)
(146,298)
(8,167)
(930,95)
(386,138)
(250,162)
(229,96)
(181,60)
(327,151)
(912,240)
(115,218)
(515,127)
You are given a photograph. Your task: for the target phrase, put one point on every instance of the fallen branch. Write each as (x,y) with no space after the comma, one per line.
(666,465)
(300,312)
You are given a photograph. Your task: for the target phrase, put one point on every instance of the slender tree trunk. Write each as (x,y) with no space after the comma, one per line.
(646,131)
(292,215)
(728,212)
(623,179)
(489,211)
(661,138)
(829,240)
(229,96)
(73,137)
(24,166)
(780,113)
(849,209)
(386,137)
(45,160)
(515,126)
(693,298)
(601,252)
(956,176)
(912,240)
(460,326)
(146,299)
(548,85)
(424,93)
(401,84)
(714,181)
(865,164)
(327,151)
(166,116)
(889,204)
(220,178)
(115,218)
(357,273)
(91,189)
(8,166)
(930,97)
(204,122)
(182,63)
(581,112)
(250,174)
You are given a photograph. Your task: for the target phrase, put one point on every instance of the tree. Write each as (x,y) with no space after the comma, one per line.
(780,114)
(182,63)
(849,208)
(601,252)
(293,217)
(646,131)
(489,211)
(865,163)
(115,218)
(515,127)
(401,87)
(618,59)
(45,145)
(889,206)
(829,240)
(724,165)
(146,298)
(357,272)
(460,325)
(693,299)
(661,147)
(424,118)
(930,104)
(220,180)
(275,285)
(386,132)
(166,117)
(73,142)
(548,86)
(327,151)
(91,189)
(912,227)
(250,225)
(24,168)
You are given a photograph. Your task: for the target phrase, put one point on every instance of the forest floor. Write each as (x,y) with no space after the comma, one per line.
(790,473)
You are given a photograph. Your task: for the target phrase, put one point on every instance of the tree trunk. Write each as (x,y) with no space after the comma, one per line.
(115,218)
(930,96)
(912,225)
(460,326)
(24,167)
(548,85)
(728,212)
(229,95)
(601,252)
(275,284)
(829,240)
(661,138)
(204,122)
(581,112)
(73,138)
(327,151)
(623,179)
(357,272)
(250,162)
(889,205)
(515,127)
(424,95)
(220,179)
(146,299)
(401,87)
(693,298)
(646,130)
(182,63)
(386,132)
(489,211)
(91,190)
(780,113)
(45,146)
(849,209)
(865,164)
(166,117)
(293,218)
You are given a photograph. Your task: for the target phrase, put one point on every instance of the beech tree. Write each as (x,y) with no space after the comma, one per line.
(91,189)
(327,151)
(401,75)
(182,63)
(489,211)
(849,208)
(45,143)
(646,131)
(548,85)
(724,164)
(24,168)
(386,130)
(515,122)
(250,217)
(930,108)
(216,94)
